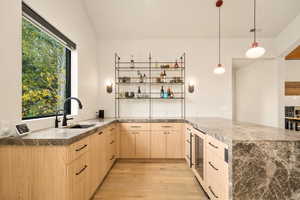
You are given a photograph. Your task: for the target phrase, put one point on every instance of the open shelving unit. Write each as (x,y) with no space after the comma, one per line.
(127,80)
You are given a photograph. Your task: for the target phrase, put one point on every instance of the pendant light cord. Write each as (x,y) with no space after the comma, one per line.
(254,21)
(219,35)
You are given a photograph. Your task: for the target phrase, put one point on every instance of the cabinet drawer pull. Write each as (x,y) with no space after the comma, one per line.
(166,126)
(112,142)
(112,129)
(214,146)
(112,157)
(210,189)
(100,133)
(166,133)
(188,141)
(80,171)
(81,147)
(135,126)
(213,166)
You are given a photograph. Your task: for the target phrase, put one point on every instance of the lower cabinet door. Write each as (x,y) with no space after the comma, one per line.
(96,160)
(142,144)
(174,144)
(158,144)
(128,144)
(78,179)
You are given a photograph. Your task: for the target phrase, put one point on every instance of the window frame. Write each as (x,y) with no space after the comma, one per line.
(43,25)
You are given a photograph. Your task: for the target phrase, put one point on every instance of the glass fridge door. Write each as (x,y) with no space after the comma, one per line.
(199,156)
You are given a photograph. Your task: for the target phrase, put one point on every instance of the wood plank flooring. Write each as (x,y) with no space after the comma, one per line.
(150,181)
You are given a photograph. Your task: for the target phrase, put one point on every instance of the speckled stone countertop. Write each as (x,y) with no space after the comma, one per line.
(228,130)
(224,130)
(57,136)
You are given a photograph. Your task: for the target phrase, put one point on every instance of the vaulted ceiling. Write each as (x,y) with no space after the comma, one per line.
(139,19)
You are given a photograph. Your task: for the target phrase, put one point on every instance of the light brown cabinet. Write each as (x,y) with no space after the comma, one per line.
(77,175)
(217,171)
(142,144)
(110,146)
(158,144)
(151,140)
(71,172)
(174,144)
(127,144)
(97,160)
(166,144)
(101,155)
(75,171)
(135,144)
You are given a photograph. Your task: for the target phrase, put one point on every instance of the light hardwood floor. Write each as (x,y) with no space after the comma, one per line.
(150,181)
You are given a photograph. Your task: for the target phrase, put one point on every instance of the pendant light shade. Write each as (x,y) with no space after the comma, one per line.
(219,69)
(255,51)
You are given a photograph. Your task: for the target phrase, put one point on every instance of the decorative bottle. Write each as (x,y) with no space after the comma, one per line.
(162,92)
(131,62)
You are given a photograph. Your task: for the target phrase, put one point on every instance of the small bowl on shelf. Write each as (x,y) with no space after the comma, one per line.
(124,79)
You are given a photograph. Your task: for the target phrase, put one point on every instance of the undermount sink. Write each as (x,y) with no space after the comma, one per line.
(82,126)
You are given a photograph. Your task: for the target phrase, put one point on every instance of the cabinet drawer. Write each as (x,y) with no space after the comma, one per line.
(77,173)
(166,126)
(216,147)
(78,168)
(135,126)
(217,186)
(77,149)
(217,177)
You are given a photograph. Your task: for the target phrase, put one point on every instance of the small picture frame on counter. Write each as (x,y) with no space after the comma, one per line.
(22,129)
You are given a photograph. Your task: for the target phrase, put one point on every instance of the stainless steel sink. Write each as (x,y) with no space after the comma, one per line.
(81,126)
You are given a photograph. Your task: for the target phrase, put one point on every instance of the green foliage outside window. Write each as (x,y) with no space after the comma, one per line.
(43,72)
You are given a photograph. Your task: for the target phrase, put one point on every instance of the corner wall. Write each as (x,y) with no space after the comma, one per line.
(70,18)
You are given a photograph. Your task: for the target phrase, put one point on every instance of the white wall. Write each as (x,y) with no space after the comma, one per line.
(257,94)
(10,60)
(213,93)
(70,18)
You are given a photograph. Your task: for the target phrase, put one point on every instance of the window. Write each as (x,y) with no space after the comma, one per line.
(46,67)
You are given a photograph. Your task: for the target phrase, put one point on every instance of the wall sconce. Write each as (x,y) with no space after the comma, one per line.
(191,87)
(109,87)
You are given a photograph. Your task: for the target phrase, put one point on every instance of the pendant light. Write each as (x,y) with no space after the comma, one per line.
(219,69)
(255,51)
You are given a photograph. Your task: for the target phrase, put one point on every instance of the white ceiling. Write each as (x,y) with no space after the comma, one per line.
(139,19)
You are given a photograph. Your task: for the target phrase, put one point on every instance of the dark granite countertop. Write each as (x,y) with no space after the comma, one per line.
(224,130)
(228,130)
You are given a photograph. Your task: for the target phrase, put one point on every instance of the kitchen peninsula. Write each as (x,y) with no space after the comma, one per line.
(262,162)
